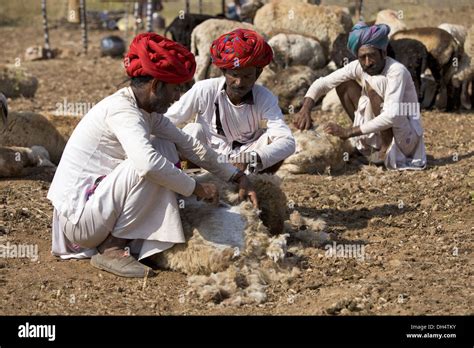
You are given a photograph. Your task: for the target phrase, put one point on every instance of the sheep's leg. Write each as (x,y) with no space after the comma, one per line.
(453,97)
(376,102)
(349,94)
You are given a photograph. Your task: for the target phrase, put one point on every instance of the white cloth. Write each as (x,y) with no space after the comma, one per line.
(113,139)
(242,123)
(400,111)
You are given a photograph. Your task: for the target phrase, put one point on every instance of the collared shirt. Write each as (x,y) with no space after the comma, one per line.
(400,98)
(240,123)
(116,129)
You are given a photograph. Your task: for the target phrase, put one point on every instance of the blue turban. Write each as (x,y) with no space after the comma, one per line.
(361,35)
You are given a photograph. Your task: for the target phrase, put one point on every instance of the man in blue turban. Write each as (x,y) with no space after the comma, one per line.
(379,95)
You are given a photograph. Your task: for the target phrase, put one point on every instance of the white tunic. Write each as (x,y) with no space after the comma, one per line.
(241,123)
(115,132)
(400,111)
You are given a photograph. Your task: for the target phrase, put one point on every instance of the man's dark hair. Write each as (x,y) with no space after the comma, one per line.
(140,81)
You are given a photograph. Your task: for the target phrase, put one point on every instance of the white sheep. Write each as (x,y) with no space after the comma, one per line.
(316,152)
(293,49)
(203,36)
(392,19)
(323,23)
(230,256)
(332,103)
(19,161)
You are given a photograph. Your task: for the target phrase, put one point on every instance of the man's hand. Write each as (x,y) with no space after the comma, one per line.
(302,120)
(336,130)
(240,166)
(208,192)
(246,190)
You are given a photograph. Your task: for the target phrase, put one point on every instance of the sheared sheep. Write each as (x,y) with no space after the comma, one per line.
(323,23)
(27,129)
(202,37)
(458,32)
(316,152)
(332,103)
(293,49)
(230,256)
(465,70)
(20,161)
(290,85)
(391,18)
(17,82)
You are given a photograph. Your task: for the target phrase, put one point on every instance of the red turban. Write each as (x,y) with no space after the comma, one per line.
(241,48)
(153,55)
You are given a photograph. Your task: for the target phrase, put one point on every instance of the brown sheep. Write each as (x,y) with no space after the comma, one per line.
(442,51)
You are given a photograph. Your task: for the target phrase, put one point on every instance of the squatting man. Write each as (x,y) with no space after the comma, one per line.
(230,110)
(375,91)
(116,184)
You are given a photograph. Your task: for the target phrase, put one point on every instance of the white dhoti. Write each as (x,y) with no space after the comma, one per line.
(407,150)
(129,207)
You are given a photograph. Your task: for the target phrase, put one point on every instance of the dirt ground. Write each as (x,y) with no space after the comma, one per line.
(416,227)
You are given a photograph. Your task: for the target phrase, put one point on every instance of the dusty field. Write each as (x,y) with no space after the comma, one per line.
(416,227)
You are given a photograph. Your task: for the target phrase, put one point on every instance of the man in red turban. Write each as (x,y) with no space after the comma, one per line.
(238,118)
(114,191)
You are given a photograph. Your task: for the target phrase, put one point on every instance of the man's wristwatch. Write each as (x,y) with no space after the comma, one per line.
(237,175)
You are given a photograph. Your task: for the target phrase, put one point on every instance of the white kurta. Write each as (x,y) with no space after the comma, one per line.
(137,152)
(241,123)
(400,111)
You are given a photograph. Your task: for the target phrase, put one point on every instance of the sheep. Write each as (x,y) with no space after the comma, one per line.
(316,152)
(201,40)
(468,72)
(26,129)
(249,9)
(391,18)
(16,82)
(332,103)
(442,50)
(322,23)
(234,263)
(293,49)
(465,70)
(458,32)
(290,85)
(20,161)
(413,55)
